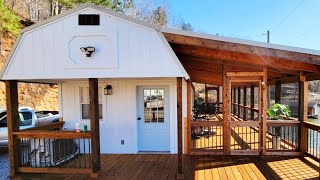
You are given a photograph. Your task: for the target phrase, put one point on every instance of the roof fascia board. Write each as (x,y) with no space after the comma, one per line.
(240,41)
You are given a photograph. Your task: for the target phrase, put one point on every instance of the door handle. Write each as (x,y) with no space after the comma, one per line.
(139,118)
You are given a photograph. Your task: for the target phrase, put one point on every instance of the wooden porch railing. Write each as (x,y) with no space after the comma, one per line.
(311,145)
(44,151)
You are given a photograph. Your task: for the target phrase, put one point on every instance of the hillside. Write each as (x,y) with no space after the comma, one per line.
(37,96)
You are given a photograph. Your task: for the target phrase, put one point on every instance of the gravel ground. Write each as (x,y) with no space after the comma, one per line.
(4,164)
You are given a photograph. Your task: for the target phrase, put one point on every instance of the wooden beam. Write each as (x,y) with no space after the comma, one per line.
(303,112)
(189,109)
(226,113)
(254,59)
(244,74)
(263,113)
(179,126)
(94,124)
(278,92)
(13,124)
(241,48)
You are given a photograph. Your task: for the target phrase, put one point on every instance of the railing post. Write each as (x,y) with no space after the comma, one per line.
(303,112)
(13,124)
(94,125)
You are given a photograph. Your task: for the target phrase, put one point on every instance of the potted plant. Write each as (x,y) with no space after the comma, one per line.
(276,112)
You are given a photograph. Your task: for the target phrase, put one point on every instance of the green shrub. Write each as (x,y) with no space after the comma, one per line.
(9,22)
(279,109)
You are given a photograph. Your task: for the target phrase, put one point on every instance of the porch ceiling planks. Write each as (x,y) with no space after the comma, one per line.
(249,58)
(242,48)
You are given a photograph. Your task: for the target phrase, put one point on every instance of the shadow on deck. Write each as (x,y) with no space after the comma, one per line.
(163,166)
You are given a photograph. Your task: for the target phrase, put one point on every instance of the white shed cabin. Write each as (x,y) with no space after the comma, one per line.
(139,96)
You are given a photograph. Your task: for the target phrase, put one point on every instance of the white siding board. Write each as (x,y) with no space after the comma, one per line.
(120,112)
(137,51)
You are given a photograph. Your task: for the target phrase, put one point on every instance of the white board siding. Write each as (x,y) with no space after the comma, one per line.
(119,112)
(132,50)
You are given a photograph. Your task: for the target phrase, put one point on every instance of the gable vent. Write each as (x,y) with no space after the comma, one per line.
(89,19)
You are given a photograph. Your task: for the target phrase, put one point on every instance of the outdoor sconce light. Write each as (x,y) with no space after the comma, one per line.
(88,50)
(108,90)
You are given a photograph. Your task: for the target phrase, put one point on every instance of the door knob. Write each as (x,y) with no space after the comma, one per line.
(139,118)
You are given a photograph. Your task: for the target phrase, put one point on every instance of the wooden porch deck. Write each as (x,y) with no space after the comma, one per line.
(164,166)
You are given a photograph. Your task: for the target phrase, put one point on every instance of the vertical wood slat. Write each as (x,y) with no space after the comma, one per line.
(278,92)
(94,124)
(263,112)
(226,113)
(234,100)
(244,103)
(189,108)
(13,125)
(179,125)
(303,113)
(252,102)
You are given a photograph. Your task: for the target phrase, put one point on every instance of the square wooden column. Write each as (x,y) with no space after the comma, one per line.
(189,116)
(252,102)
(239,97)
(94,125)
(13,124)
(303,112)
(263,113)
(179,126)
(226,113)
(244,103)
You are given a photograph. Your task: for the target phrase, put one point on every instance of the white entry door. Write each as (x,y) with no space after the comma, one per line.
(153,118)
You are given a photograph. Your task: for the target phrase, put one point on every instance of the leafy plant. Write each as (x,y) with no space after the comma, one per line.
(9,22)
(279,109)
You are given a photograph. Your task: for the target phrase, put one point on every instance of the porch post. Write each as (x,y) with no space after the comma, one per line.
(179,126)
(226,113)
(303,112)
(239,97)
(13,125)
(252,102)
(264,104)
(189,109)
(94,125)
(218,99)
(278,92)
(244,103)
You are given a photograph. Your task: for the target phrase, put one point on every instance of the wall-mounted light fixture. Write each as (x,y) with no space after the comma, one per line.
(88,50)
(108,90)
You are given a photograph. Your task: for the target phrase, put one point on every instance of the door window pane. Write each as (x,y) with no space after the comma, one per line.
(85,102)
(153,105)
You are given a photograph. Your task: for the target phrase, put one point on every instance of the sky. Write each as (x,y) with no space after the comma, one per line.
(291,22)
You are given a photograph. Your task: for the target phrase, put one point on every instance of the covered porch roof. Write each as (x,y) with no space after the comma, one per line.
(205,56)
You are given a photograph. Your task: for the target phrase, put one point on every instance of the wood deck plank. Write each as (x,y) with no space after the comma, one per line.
(164,166)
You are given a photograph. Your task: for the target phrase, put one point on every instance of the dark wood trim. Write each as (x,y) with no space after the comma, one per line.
(94,124)
(13,124)
(52,134)
(179,125)
(311,125)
